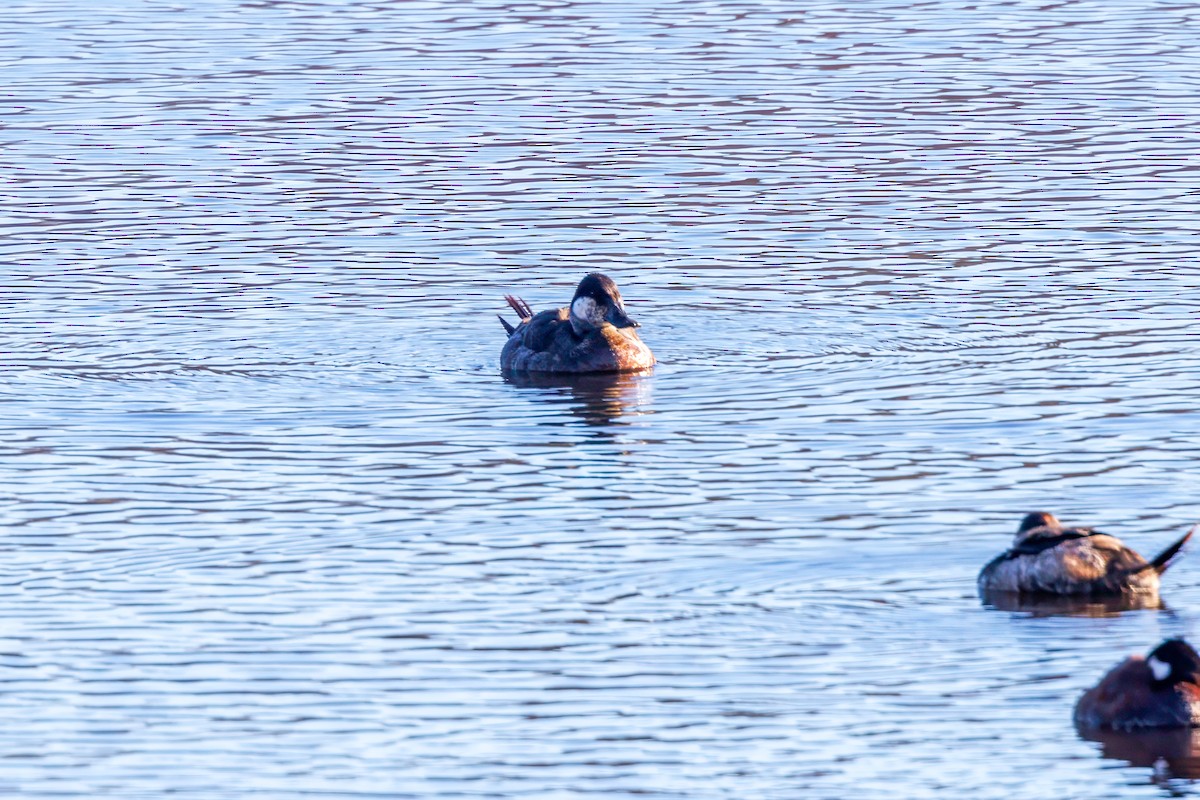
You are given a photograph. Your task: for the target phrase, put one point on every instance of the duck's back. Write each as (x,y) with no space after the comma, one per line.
(1091,564)
(538,343)
(1126,700)
(547,343)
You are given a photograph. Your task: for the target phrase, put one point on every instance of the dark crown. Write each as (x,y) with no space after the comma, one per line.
(1037,519)
(599,287)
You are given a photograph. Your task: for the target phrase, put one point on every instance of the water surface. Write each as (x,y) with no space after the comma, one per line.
(276,526)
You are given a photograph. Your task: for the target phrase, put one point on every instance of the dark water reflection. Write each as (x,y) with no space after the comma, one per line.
(1169,753)
(1075,606)
(599,400)
(275,526)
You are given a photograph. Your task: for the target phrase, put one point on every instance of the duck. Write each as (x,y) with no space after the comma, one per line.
(1161,690)
(592,334)
(1048,558)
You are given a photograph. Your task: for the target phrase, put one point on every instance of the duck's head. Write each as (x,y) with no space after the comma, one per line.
(1037,519)
(1174,661)
(597,301)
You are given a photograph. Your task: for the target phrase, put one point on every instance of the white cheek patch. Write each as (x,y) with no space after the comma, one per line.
(586,308)
(1161,669)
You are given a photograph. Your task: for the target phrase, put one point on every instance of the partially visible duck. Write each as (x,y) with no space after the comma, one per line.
(593,334)
(1161,690)
(1048,558)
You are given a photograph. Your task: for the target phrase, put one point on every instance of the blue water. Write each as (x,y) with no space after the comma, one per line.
(275,525)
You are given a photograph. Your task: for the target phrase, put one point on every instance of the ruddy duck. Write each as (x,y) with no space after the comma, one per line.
(1047,558)
(593,334)
(1161,690)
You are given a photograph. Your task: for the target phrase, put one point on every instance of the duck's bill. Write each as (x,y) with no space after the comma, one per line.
(620,319)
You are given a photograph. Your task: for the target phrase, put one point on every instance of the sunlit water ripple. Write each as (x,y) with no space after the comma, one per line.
(276,526)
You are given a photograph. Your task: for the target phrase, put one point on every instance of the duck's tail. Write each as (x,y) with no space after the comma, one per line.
(1163,559)
(520,306)
(524,312)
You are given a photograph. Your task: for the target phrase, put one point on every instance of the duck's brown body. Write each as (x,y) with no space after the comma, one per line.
(548,343)
(593,334)
(1047,558)
(1095,564)
(1131,697)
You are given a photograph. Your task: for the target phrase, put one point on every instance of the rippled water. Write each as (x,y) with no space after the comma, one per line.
(276,526)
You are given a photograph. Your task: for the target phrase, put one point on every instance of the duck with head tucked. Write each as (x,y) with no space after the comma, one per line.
(1047,558)
(1161,690)
(593,334)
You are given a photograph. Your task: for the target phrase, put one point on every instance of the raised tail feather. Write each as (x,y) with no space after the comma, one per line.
(1163,559)
(521,307)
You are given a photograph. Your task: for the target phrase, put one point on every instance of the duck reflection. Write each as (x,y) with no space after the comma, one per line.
(1173,753)
(1058,605)
(599,399)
